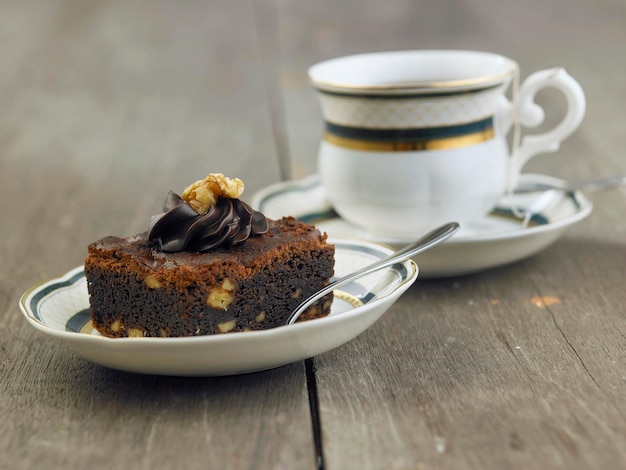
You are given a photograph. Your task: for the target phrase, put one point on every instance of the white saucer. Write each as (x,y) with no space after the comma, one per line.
(495,240)
(60,308)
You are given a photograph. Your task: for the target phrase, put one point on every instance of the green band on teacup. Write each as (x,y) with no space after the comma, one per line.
(409,140)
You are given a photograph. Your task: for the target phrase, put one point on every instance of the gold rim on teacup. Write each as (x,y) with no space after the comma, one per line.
(421,87)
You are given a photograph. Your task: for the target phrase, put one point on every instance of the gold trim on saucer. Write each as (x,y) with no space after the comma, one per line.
(349,298)
(443,143)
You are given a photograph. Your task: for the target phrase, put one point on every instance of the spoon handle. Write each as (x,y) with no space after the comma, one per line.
(592,186)
(427,241)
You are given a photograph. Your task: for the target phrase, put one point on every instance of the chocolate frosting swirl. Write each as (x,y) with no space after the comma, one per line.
(227,223)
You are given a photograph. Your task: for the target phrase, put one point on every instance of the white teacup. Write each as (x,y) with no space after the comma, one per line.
(415,139)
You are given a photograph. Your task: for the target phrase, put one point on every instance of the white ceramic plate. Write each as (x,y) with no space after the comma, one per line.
(494,240)
(60,308)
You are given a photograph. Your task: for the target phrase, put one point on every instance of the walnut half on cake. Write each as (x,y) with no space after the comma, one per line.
(208,264)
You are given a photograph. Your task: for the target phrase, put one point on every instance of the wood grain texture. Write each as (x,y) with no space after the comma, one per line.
(470,372)
(488,378)
(105,105)
(61,412)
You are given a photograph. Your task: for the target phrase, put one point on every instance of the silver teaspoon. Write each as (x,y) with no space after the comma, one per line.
(426,242)
(592,186)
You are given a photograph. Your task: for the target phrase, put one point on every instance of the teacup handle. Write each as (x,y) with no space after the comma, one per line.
(529,114)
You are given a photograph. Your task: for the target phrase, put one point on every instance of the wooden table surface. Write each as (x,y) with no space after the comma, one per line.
(105,105)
